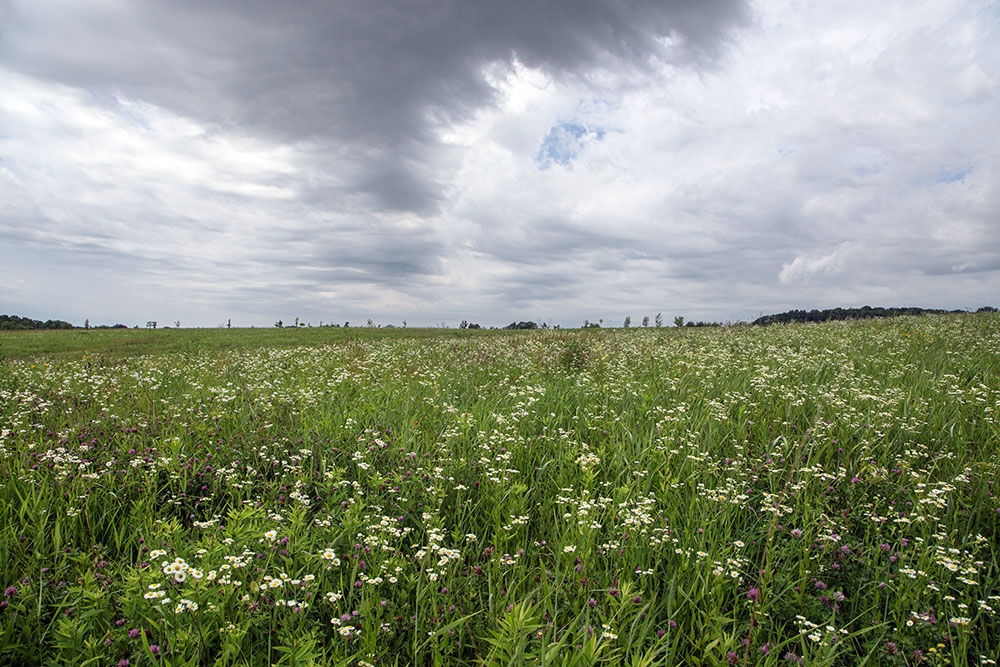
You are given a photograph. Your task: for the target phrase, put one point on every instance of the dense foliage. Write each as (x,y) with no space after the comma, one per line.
(803,494)
(18,322)
(863,313)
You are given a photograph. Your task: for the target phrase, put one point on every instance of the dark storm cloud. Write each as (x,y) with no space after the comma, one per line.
(377,79)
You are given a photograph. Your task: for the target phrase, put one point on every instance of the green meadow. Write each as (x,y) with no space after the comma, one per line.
(818,494)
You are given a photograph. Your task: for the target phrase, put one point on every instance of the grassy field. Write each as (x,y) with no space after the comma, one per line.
(116,343)
(805,494)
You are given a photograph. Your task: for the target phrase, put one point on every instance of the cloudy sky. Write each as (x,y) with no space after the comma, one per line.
(440,160)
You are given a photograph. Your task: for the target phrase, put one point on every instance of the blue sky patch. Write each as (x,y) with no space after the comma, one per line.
(863,170)
(952,174)
(564,141)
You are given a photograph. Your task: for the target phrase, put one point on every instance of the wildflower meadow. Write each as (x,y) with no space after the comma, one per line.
(820,494)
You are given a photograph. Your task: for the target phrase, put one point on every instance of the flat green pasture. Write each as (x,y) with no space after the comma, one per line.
(131,342)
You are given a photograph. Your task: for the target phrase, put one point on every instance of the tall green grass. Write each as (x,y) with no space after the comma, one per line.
(816,494)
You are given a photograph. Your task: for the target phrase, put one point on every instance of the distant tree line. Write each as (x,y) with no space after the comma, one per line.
(9,322)
(678,321)
(25,323)
(17,322)
(863,313)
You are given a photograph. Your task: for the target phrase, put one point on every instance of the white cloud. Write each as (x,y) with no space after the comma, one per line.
(806,266)
(835,151)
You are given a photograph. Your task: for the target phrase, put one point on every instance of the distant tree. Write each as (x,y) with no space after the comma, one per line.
(645,321)
(404,324)
(464,324)
(628,321)
(296,323)
(370,323)
(474,326)
(229,323)
(347,325)
(863,313)
(18,322)
(679,321)
(659,320)
(177,323)
(279,324)
(521,325)
(86,323)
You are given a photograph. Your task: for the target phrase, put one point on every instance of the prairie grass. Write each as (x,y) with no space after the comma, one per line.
(804,494)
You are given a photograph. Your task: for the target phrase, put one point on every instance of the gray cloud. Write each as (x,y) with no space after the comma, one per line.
(452,160)
(376,79)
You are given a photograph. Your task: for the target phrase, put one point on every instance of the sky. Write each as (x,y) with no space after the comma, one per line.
(444,160)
